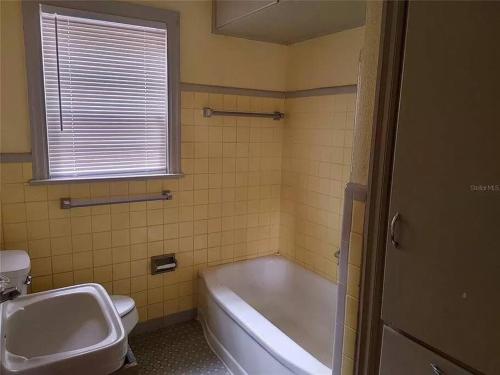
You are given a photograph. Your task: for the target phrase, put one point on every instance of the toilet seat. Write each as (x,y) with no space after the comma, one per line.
(127,311)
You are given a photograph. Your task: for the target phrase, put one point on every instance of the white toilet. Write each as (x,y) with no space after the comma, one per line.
(127,311)
(15,265)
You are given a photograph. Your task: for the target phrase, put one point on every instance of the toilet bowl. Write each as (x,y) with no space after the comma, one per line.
(15,266)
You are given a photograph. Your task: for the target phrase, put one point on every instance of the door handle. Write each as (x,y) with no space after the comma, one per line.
(436,370)
(394,221)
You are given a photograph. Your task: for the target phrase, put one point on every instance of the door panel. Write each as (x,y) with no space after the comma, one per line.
(402,356)
(442,283)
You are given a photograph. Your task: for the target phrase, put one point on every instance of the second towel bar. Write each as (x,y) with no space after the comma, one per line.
(209,112)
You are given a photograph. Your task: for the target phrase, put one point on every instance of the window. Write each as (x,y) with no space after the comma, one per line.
(109,100)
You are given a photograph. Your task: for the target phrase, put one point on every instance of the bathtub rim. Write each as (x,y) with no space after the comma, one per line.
(298,360)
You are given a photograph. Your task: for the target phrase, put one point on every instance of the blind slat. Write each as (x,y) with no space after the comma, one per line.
(107,83)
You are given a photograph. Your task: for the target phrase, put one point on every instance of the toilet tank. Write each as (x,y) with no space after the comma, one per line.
(15,265)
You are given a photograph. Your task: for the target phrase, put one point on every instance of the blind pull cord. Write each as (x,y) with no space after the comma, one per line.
(58,75)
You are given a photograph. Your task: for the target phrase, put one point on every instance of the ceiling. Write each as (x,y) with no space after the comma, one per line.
(289,21)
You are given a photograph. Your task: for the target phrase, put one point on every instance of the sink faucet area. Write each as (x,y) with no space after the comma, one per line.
(6,292)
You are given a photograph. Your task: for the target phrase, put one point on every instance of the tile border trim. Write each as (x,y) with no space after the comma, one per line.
(353,192)
(15,157)
(320,91)
(227,90)
(164,321)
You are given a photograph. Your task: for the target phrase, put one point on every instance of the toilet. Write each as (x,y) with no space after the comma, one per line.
(15,265)
(127,311)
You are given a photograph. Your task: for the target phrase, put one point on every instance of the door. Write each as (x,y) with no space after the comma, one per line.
(442,279)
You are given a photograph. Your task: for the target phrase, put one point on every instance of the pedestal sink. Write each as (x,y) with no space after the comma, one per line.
(74,330)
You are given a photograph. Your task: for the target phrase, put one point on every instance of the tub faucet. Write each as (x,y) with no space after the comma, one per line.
(7,293)
(337,256)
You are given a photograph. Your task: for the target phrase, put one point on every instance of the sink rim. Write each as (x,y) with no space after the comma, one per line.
(115,337)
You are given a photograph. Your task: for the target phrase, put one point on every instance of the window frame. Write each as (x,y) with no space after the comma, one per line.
(36,90)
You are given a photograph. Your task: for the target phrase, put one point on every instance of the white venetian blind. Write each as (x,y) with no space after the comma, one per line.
(105,96)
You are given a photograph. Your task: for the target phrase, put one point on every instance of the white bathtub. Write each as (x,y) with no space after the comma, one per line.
(269,316)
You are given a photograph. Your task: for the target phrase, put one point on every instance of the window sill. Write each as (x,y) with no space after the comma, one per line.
(89,179)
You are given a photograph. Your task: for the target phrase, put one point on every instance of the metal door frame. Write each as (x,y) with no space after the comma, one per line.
(379,182)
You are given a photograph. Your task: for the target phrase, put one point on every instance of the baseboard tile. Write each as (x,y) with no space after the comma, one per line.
(155,324)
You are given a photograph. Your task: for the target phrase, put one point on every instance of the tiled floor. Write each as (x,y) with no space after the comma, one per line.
(175,350)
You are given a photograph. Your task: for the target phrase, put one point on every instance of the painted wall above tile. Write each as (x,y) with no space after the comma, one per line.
(206,58)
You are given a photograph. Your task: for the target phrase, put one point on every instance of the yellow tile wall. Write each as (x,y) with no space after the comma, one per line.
(353,287)
(225,208)
(317,148)
(252,187)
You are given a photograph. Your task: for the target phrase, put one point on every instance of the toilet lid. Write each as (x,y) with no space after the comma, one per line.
(123,304)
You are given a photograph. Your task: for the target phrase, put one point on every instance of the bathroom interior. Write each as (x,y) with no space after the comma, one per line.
(241,187)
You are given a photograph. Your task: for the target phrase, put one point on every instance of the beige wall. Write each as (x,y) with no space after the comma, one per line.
(206,58)
(14,117)
(212,59)
(331,60)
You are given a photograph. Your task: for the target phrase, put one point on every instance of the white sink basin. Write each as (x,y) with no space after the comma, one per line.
(74,330)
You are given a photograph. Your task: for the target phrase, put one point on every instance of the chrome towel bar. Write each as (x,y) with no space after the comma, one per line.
(72,202)
(209,112)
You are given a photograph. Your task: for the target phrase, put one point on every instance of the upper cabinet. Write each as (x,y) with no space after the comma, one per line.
(285,21)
